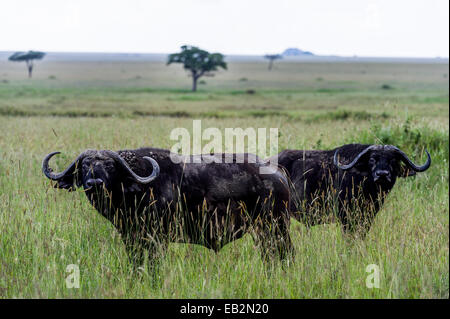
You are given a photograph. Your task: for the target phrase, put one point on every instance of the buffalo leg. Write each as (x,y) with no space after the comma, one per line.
(135,250)
(156,250)
(358,225)
(274,239)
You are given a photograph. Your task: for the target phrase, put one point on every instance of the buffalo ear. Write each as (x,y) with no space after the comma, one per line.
(406,171)
(78,177)
(65,183)
(128,184)
(70,181)
(131,187)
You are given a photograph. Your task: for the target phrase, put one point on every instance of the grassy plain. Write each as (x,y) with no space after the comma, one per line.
(72,105)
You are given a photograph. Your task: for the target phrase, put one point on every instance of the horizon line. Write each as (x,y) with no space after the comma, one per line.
(241,54)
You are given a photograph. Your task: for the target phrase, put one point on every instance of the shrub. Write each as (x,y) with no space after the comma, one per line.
(341,115)
(412,140)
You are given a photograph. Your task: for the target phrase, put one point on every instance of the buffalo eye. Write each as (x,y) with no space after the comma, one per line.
(87,167)
(372,161)
(109,165)
(394,164)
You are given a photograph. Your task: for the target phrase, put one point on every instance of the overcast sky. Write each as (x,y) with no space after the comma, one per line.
(407,28)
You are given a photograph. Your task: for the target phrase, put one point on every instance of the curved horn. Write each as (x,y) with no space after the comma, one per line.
(406,159)
(137,178)
(56,176)
(348,166)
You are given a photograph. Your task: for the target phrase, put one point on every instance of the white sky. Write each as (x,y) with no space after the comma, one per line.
(407,28)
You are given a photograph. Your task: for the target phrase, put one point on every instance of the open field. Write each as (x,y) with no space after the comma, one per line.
(73,106)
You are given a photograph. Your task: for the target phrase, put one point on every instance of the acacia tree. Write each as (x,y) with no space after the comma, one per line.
(198,62)
(271,58)
(28,57)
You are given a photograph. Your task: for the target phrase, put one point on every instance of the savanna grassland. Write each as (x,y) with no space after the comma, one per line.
(71,106)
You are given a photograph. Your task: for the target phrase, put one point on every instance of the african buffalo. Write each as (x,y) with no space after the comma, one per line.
(323,187)
(155,197)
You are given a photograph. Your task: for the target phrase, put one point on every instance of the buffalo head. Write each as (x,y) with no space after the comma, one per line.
(384,163)
(97,169)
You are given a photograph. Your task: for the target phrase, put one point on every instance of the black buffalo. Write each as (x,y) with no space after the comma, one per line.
(323,188)
(154,197)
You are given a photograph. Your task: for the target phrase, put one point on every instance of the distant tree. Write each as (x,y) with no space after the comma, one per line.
(28,57)
(198,62)
(271,58)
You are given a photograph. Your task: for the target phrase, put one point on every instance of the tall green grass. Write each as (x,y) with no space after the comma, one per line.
(44,229)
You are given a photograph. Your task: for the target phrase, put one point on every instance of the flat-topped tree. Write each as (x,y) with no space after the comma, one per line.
(271,58)
(198,62)
(28,57)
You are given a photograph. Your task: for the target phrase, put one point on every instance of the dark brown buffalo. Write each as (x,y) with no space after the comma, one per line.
(155,197)
(323,187)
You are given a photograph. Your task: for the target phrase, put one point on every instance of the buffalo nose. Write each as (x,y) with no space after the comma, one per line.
(93,182)
(382,173)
